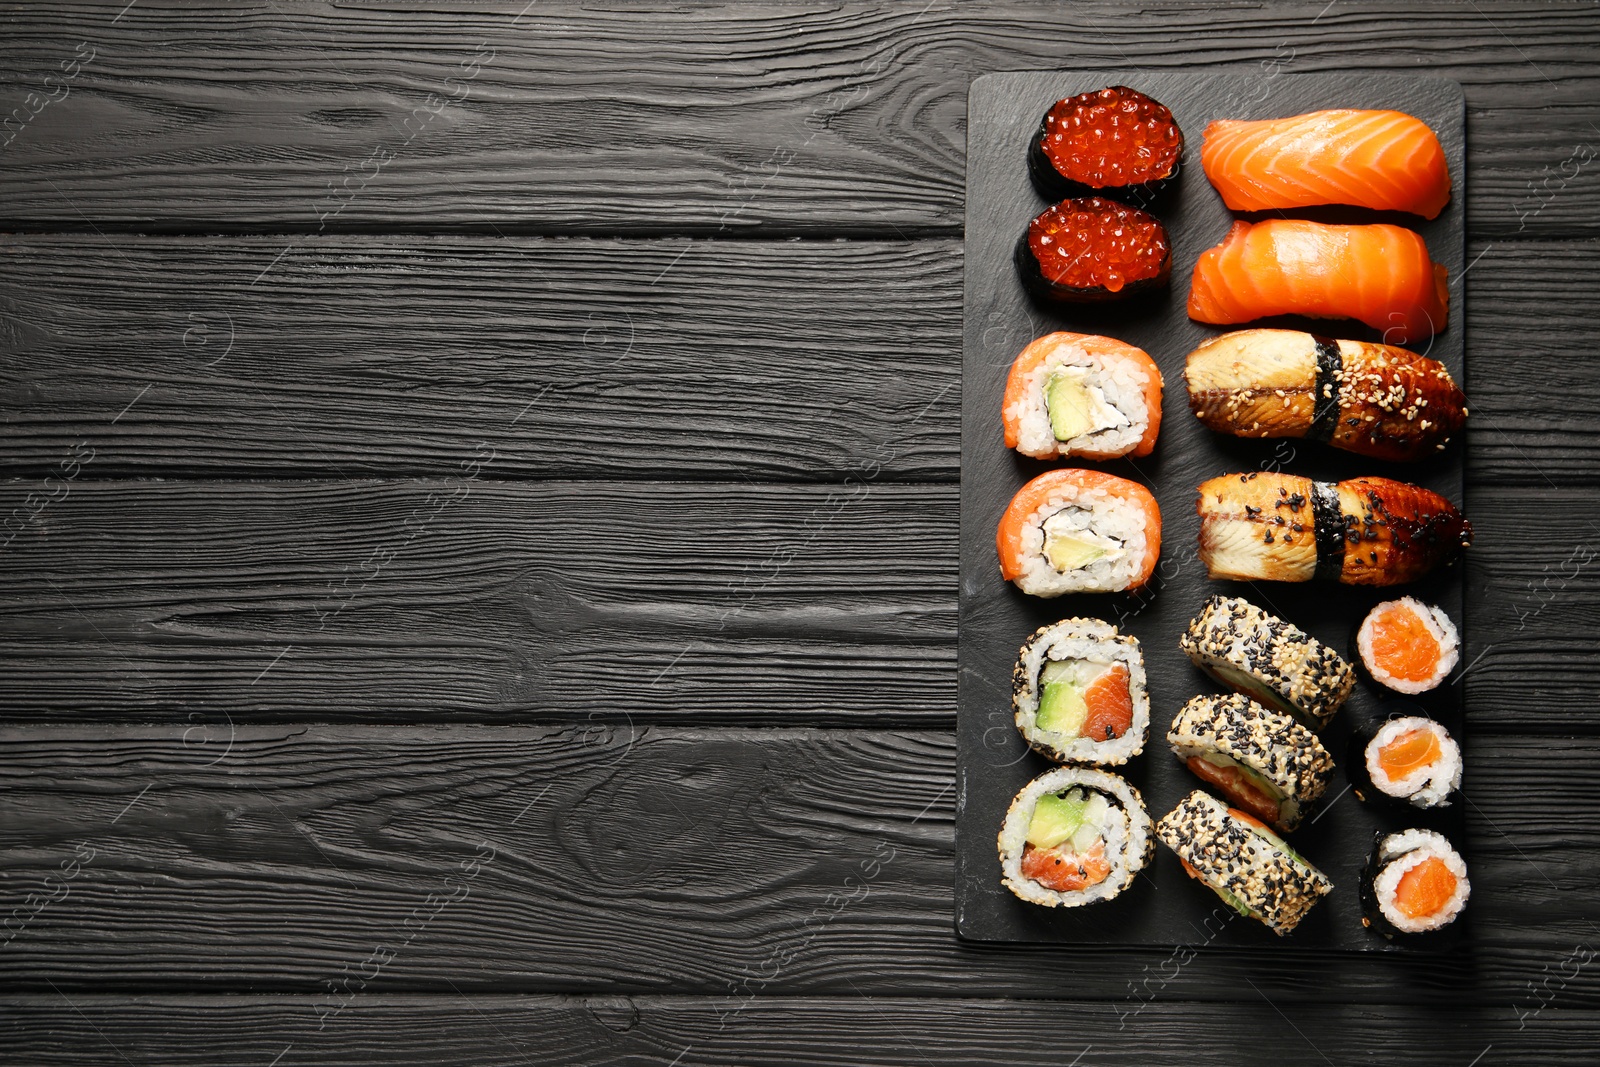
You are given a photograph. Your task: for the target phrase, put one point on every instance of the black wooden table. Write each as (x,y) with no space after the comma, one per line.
(479,575)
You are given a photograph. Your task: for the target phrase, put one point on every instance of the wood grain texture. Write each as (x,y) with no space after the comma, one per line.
(477,600)
(646,117)
(493,1030)
(356,356)
(729,864)
(471,598)
(569,358)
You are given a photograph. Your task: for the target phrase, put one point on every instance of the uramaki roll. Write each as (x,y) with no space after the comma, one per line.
(1247,865)
(1268,660)
(1078,692)
(1074,836)
(1079,531)
(1263,761)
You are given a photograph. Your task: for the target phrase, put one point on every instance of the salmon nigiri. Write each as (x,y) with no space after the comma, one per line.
(1378,274)
(1385,160)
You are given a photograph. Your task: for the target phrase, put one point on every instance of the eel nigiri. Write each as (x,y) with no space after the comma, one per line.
(1077,394)
(1385,160)
(1379,274)
(1375,400)
(1364,531)
(1079,531)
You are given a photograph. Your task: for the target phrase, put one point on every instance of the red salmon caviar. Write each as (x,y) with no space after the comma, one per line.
(1116,141)
(1095,249)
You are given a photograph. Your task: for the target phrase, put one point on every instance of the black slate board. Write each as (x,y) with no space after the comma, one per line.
(1164,906)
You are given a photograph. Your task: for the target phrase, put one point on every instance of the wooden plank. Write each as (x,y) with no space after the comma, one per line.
(733,359)
(731,864)
(470,599)
(564,358)
(391,1031)
(746,117)
(478,600)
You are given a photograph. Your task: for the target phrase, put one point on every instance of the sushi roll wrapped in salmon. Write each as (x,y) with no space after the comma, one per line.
(1407,761)
(1079,693)
(1093,251)
(1414,883)
(1378,274)
(1074,836)
(1269,660)
(1408,646)
(1074,394)
(1262,761)
(1114,142)
(1362,531)
(1384,160)
(1079,531)
(1375,400)
(1243,862)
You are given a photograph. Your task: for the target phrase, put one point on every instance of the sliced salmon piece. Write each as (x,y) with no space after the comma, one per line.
(1066,871)
(1425,889)
(1380,275)
(1236,787)
(1408,753)
(1403,645)
(1384,160)
(1110,705)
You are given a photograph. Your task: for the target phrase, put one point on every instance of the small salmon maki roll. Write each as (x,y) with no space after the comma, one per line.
(1380,275)
(1075,394)
(1408,646)
(1409,760)
(1384,160)
(1414,883)
(1079,531)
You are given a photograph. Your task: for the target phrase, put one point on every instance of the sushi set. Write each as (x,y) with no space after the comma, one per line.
(1211,512)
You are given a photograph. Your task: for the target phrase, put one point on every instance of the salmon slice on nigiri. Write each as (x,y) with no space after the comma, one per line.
(1384,160)
(1378,274)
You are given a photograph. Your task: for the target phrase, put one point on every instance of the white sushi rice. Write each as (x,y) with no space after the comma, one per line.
(1126,830)
(1118,407)
(1425,787)
(1404,851)
(1097,517)
(1436,622)
(1092,641)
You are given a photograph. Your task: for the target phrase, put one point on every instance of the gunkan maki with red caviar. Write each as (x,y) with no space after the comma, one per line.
(1114,142)
(1093,250)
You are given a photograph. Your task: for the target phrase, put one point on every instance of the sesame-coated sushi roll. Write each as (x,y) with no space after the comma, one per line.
(1074,394)
(1414,883)
(1407,761)
(1079,694)
(1243,862)
(1074,836)
(1407,645)
(1263,761)
(1269,660)
(1079,531)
